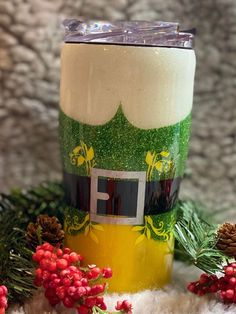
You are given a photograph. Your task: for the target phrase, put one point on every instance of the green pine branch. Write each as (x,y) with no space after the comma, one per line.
(16,210)
(196,238)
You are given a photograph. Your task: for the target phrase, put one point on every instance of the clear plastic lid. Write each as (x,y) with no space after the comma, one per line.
(139,33)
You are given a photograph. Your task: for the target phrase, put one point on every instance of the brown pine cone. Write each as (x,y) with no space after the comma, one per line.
(46,229)
(227,239)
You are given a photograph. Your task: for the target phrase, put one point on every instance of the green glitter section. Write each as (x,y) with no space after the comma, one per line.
(164,223)
(118,145)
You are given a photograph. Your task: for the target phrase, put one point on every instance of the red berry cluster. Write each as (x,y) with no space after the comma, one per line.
(225,285)
(124,306)
(206,284)
(3,298)
(65,281)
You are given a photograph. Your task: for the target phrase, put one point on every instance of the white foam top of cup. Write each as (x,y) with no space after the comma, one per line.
(154,85)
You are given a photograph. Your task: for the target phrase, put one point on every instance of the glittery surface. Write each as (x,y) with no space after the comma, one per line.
(118,145)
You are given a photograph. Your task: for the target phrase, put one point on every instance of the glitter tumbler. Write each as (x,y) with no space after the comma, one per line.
(125,117)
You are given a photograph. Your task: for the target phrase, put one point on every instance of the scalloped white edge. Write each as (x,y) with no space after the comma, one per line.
(154,86)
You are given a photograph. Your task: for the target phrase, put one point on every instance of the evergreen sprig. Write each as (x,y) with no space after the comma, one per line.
(16,210)
(196,238)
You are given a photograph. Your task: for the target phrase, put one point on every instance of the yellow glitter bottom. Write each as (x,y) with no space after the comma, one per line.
(146,265)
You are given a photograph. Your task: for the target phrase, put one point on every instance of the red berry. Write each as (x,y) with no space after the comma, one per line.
(44,263)
(38,273)
(118,305)
(77,283)
(99,300)
(192,287)
(5,290)
(38,255)
(47,254)
(34,258)
(53,276)
(80,257)
(66,257)
(77,276)
(89,275)
(67,250)
(213,288)
(54,256)
(52,266)
(71,291)
(62,263)
(57,282)
(73,269)
(45,275)
(223,294)
(103,306)
(95,272)
(47,247)
(203,279)
(229,271)
(229,294)
(59,252)
(213,278)
(83,310)
(66,282)
(97,289)
(107,272)
(90,302)
(3,302)
(232,281)
(84,282)
(60,292)
(80,292)
(68,302)
(126,306)
(88,290)
(73,257)
(64,273)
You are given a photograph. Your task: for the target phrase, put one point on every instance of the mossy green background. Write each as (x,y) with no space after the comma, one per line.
(118,145)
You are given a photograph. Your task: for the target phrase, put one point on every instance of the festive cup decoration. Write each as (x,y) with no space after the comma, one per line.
(126,98)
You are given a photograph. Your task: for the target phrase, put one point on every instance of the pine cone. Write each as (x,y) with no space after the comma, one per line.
(46,229)
(227,239)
